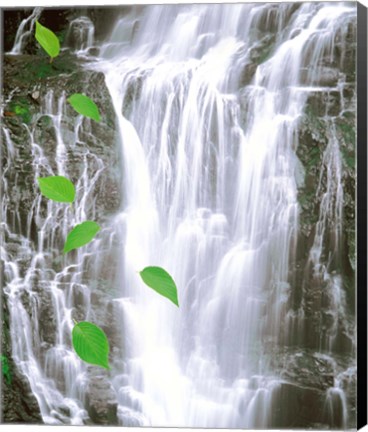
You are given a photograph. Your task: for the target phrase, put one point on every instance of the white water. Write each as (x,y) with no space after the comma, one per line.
(209,199)
(212,203)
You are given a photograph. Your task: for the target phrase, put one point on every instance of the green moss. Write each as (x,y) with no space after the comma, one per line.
(315,125)
(349,115)
(37,68)
(61,36)
(265,54)
(348,157)
(20,107)
(347,138)
(305,198)
(347,131)
(45,122)
(314,118)
(5,367)
(22,112)
(309,212)
(314,156)
(42,70)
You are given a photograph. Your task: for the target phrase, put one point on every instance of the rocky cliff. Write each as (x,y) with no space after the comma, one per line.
(30,82)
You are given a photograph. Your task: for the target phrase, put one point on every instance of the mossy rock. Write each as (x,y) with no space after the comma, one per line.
(25,70)
(21,108)
(320,103)
(262,50)
(347,137)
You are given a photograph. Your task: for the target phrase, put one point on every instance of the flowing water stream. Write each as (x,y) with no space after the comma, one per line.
(209,192)
(25,31)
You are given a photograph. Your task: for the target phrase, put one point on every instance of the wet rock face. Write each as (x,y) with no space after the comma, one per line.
(78,33)
(309,370)
(294,406)
(322,76)
(28,80)
(307,396)
(18,404)
(329,113)
(324,120)
(67,77)
(258,53)
(101,401)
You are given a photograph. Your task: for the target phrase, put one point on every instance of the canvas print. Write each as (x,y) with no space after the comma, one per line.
(178,215)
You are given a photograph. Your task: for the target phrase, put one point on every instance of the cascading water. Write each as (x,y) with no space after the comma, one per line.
(41,283)
(80,35)
(210,192)
(25,31)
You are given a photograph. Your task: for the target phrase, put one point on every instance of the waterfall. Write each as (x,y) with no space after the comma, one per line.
(80,35)
(185,119)
(25,31)
(56,375)
(210,179)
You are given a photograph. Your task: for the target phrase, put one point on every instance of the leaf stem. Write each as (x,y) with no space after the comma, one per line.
(75,322)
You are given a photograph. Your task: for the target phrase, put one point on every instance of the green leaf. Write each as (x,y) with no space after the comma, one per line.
(85,106)
(80,235)
(48,40)
(91,344)
(6,369)
(57,188)
(159,279)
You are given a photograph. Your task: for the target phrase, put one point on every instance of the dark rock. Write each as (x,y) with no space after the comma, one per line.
(312,143)
(309,370)
(323,103)
(101,401)
(247,74)
(244,96)
(104,17)
(262,49)
(94,51)
(295,406)
(345,48)
(79,294)
(329,115)
(270,16)
(295,33)
(78,32)
(63,75)
(348,383)
(321,76)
